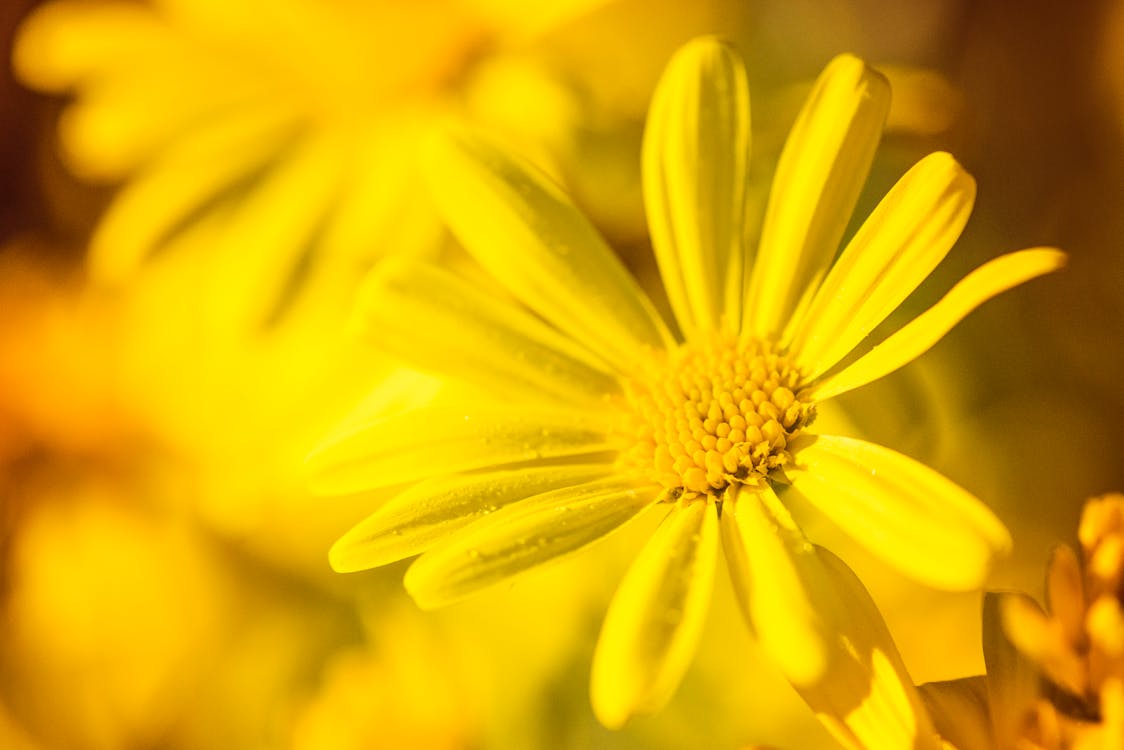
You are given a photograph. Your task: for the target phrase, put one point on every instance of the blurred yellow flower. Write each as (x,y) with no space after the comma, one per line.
(1055,681)
(292,123)
(606,412)
(1078,648)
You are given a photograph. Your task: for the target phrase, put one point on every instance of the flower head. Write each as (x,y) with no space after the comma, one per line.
(286,129)
(603,410)
(1055,679)
(1076,650)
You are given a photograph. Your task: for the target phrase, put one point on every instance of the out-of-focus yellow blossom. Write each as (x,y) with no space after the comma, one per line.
(1078,647)
(245,410)
(606,412)
(290,123)
(1055,679)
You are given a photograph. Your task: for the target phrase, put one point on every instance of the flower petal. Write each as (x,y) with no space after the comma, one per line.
(904,239)
(819,624)
(434,509)
(1039,638)
(435,320)
(442,440)
(62,44)
(194,175)
(867,698)
(774,571)
(696,145)
(526,232)
(654,622)
(916,337)
(1013,680)
(819,176)
(904,512)
(960,713)
(543,529)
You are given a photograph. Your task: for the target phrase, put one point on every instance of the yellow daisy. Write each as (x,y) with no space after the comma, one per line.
(600,410)
(290,124)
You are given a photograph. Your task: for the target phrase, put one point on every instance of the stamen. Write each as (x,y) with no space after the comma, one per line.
(714,414)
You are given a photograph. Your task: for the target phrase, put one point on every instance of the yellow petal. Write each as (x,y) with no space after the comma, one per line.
(1042,639)
(526,232)
(819,176)
(904,512)
(915,338)
(959,710)
(434,320)
(655,619)
(199,173)
(696,145)
(541,530)
(432,510)
(1065,593)
(273,233)
(63,44)
(1012,679)
(774,570)
(442,440)
(866,697)
(904,239)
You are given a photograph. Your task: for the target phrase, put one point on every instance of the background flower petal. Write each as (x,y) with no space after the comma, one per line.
(655,619)
(542,530)
(696,148)
(909,515)
(191,177)
(820,174)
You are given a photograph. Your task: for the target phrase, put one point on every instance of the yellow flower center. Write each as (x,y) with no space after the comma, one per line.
(713,414)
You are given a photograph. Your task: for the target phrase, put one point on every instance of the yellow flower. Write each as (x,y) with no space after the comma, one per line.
(1055,681)
(289,124)
(601,410)
(1077,650)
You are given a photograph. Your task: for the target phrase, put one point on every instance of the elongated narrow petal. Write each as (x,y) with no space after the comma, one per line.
(909,233)
(916,337)
(62,44)
(820,174)
(526,232)
(431,511)
(442,440)
(775,577)
(960,712)
(435,320)
(654,622)
(1037,636)
(271,232)
(696,146)
(188,180)
(866,698)
(901,510)
(543,529)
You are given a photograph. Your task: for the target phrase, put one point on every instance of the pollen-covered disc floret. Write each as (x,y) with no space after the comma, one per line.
(717,413)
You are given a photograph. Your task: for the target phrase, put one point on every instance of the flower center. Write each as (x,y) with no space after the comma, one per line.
(716,413)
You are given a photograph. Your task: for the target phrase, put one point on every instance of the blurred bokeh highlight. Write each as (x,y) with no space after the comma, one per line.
(191,191)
